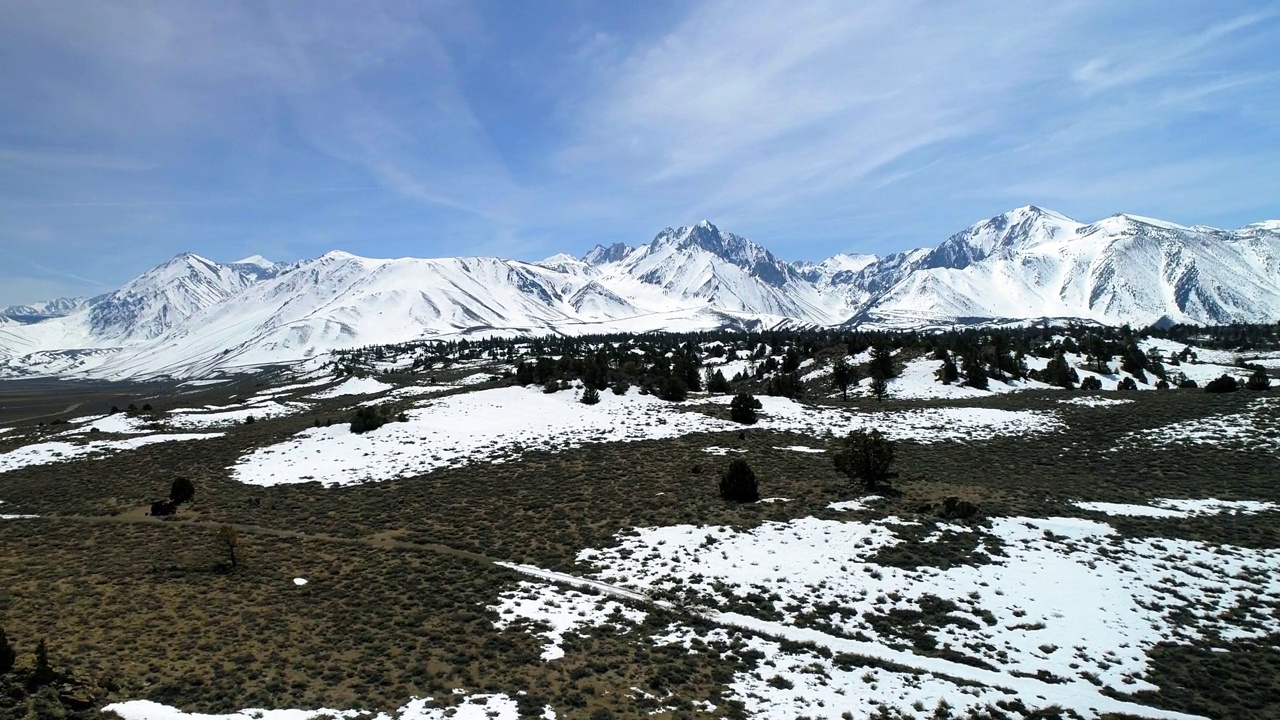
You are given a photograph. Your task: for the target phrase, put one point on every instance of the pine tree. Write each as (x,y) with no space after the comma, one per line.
(1091,384)
(879,388)
(590,396)
(43,674)
(717,383)
(882,364)
(842,376)
(975,376)
(621,387)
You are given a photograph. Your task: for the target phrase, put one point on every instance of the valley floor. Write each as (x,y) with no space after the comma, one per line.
(503,552)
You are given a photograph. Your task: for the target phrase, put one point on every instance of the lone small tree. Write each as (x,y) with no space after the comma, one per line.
(1091,384)
(367,419)
(866,456)
(7,654)
(229,543)
(43,673)
(880,388)
(738,484)
(590,396)
(743,408)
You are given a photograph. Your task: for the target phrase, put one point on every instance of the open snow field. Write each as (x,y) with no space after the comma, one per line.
(497,425)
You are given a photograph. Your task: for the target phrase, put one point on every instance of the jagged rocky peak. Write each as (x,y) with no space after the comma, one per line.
(601,255)
(727,246)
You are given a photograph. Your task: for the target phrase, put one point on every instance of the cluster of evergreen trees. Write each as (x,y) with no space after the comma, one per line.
(670,365)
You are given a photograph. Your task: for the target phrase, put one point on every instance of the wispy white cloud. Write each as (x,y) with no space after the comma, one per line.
(1154,56)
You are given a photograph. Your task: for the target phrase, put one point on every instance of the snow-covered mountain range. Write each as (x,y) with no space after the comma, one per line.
(192,316)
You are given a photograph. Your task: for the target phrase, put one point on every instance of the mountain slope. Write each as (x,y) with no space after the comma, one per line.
(1123,269)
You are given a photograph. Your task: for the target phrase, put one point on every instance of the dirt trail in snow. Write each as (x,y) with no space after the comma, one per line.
(1077,696)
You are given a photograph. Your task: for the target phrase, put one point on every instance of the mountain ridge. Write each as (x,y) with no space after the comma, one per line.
(191,315)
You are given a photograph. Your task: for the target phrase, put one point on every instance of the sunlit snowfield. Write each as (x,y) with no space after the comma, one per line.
(1031,612)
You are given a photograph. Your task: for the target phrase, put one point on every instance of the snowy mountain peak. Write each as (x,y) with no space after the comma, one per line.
(1021,227)
(601,255)
(727,246)
(1264,226)
(558,259)
(257,260)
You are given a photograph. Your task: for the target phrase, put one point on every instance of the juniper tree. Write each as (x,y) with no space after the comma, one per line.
(738,483)
(181,491)
(743,408)
(590,396)
(1258,380)
(1222,384)
(866,456)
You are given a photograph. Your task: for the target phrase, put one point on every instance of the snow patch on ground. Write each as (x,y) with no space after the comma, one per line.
(1093,401)
(353,386)
(859,504)
(258,411)
(801,449)
(1256,428)
(1181,508)
(559,612)
(47,453)
(1064,597)
(472,707)
(119,423)
(717,450)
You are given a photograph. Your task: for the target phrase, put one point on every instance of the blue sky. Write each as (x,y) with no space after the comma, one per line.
(131,131)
